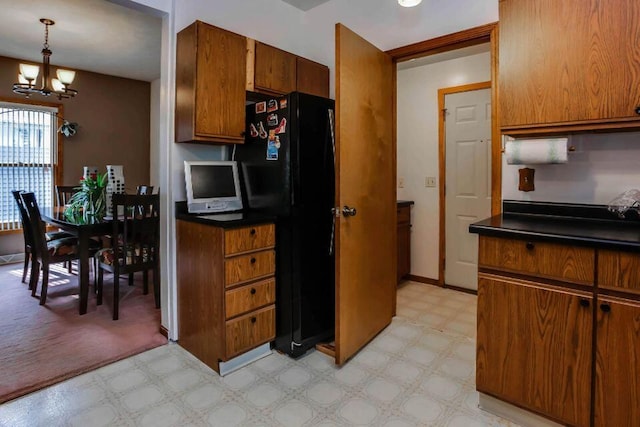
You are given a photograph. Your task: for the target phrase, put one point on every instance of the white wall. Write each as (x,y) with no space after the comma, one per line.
(603,166)
(418,147)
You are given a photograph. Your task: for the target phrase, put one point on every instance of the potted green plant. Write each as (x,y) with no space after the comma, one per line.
(89,204)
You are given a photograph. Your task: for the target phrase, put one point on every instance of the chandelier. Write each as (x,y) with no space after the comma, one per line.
(29,73)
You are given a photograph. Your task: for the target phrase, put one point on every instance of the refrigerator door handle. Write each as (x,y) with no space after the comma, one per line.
(333,139)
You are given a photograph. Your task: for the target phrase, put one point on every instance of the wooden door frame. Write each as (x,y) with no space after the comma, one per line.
(478,35)
(442,158)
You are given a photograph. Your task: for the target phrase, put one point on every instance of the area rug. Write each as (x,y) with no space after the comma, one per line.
(43,345)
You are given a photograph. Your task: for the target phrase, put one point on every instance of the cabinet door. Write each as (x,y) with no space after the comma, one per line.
(617,399)
(534,347)
(220,84)
(275,70)
(568,61)
(312,78)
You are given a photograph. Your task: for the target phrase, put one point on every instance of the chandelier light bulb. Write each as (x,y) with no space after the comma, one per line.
(29,72)
(22,80)
(409,3)
(66,76)
(57,85)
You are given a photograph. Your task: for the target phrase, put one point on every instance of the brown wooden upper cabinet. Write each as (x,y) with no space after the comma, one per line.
(569,65)
(275,70)
(210,85)
(312,78)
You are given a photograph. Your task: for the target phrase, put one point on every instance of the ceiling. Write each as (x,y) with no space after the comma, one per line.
(305,4)
(91,35)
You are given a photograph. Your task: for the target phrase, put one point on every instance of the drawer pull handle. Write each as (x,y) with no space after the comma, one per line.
(253,260)
(584,302)
(253,320)
(606,308)
(253,232)
(253,291)
(530,245)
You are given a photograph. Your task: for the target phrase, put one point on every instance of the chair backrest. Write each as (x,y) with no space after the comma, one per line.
(144,189)
(64,193)
(37,226)
(27,233)
(136,233)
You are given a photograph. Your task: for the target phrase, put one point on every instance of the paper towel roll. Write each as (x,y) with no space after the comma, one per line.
(536,151)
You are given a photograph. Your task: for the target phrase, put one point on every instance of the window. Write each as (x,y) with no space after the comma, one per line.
(28,154)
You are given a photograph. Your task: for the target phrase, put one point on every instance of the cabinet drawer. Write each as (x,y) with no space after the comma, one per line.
(250,330)
(239,240)
(619,271)
(549,260)
(404,214)
(246,267)
(249,297)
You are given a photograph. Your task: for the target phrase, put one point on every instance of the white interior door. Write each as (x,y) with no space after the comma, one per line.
(467,181)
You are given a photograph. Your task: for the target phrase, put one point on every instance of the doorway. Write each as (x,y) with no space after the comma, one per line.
(465,186)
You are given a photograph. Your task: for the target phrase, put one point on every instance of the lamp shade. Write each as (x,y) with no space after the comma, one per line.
(29,72)
(57,85)
(409,3)
(66,76)
(22,80)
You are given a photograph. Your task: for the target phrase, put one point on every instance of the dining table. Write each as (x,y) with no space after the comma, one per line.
(55,217)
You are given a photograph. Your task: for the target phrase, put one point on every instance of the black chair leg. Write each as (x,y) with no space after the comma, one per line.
(45,284)
(145,281)
(26,266)
(130,279)
(156,285)
(116,295)
(69,266)
(35,275)
(99,287)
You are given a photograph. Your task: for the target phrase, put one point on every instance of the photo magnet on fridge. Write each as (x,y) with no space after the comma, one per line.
(261,107)
(283,103)
(272,106)
(273,145)
(272,120)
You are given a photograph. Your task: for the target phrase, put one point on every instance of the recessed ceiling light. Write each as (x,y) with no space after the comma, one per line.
(409,3)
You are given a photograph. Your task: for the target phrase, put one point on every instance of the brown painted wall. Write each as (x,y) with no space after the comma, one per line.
(113,116)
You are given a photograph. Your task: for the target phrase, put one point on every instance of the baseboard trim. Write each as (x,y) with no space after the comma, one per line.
(164,332)
(513,413)
(459,289)
(421,279)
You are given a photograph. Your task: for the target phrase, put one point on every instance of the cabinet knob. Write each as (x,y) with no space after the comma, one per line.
(253,260)
(638,110)
(584,302)
(253,232)
(253,291)
(530,245)
(606,308)
(253,320)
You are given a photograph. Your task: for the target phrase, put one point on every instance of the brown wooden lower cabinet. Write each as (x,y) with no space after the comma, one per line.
(617,383)
(534,347)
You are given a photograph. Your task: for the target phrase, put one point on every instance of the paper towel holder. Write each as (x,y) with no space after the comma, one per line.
(570,148)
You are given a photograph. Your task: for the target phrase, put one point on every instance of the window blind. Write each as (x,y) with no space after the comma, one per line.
(28,147)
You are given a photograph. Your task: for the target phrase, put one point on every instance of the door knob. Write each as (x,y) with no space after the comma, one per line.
(347,211)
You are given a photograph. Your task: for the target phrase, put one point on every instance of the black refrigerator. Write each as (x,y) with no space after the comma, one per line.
(287,169)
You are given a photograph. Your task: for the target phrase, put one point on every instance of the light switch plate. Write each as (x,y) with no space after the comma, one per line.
(400,182)
(430,181)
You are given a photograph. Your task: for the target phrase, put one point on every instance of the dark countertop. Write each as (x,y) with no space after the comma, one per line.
(567,225)
(246,218)
(402,203)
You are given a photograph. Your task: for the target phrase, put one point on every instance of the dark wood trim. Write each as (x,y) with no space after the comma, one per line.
(459,289)
(164,332)
(421,279)
(442,165)
(465,38)
(58,169)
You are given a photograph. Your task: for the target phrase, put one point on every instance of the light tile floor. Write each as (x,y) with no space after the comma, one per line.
(417,372)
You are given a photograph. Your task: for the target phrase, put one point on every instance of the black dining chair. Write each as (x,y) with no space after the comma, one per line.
(45,252)
(134,244)
(64,193)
